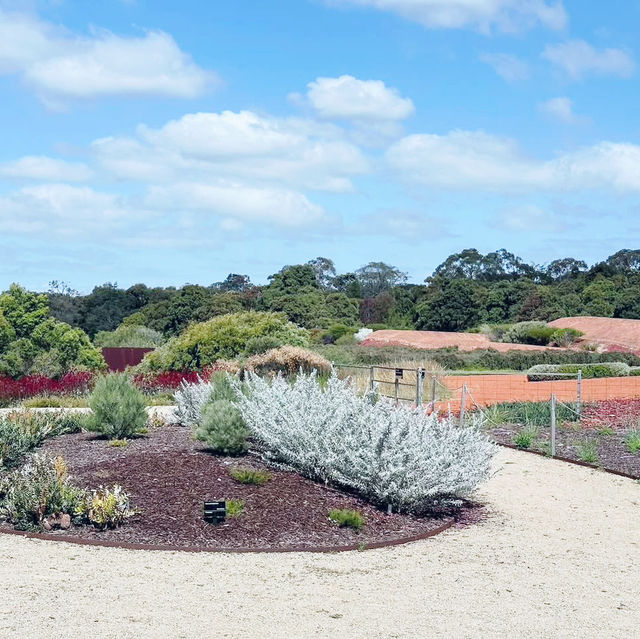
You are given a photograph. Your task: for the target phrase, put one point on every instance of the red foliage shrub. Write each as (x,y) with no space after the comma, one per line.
(74,383)
(169,381)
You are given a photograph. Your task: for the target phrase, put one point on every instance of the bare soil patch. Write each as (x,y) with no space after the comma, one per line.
(442,339)
(611,333)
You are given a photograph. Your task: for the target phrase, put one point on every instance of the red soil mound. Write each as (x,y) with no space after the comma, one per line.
(612,334)
(438,339)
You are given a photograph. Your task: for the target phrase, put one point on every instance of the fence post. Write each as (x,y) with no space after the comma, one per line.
(371,378)
(433,393)
(463,404)
(579,402)
(419,386)
(553,425)
(396,385)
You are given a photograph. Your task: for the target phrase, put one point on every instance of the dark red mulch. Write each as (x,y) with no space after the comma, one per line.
(611,450)
(169,476)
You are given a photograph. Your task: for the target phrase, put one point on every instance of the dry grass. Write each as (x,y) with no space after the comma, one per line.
(385,379)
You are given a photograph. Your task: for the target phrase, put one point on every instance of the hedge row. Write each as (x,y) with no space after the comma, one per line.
(547,372)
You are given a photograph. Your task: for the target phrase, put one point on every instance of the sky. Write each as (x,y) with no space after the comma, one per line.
(170,142)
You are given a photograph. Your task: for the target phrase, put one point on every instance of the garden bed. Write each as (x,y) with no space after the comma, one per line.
(603,447)
(169,477)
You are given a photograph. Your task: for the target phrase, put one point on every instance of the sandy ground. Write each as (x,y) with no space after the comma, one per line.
(442,339)
(558,557)
(605,331)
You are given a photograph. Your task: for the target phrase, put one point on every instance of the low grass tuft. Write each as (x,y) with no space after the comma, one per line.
(587,451)
(235,507)
(347,518)
(632,441)
(245,475)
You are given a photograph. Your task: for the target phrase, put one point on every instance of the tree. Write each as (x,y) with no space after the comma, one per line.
(375,310)
(471,264)
(234,282)
(105,308)
(378,277)
(325,271)
(23,310)
(349,284)
(292,278)
(565,268)
(626,260)
(456,306)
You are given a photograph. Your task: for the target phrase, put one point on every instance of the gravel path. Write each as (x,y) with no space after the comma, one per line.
(558,557)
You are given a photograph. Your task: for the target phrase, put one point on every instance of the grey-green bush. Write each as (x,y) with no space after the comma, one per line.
(545,372)
(222,428)
(118,408)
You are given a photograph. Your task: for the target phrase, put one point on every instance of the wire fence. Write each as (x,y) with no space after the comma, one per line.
(425,387)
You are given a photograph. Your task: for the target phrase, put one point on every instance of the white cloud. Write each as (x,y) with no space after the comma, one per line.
(238,202)
(483,15)
(578,58)
(46,169)
(61,66)
(475,160)
(509,67)
(240,146)
(63,210)
(527,218)
(561,109)
(348,98)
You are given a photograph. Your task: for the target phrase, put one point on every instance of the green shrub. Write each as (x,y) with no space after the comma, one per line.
(222,428)
(259,345)
(537,333)
(118,408)
(223,337)
(16,440)
(634,371)
(106,507)
(545,372)
(56,401)
(234,507)
(340,330)
(525,438)
(565,336)
(632,441)
(38,490)
(131,336)
(347,518)
(245,475)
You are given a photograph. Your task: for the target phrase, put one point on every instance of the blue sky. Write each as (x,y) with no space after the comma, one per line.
(170,142)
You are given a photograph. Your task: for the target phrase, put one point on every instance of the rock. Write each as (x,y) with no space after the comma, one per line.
(61,520)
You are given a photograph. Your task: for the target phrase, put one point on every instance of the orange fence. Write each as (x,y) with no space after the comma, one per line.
(493,389)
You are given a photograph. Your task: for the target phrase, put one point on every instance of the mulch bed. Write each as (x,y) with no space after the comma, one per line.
(168,476)
(612,453)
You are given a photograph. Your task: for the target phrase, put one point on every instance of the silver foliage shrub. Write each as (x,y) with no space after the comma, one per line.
(399,457)
(190,400)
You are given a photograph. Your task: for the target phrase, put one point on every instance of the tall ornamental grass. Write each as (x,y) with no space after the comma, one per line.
(393,456)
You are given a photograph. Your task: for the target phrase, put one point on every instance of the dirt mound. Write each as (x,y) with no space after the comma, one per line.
(440,339)
(609,333)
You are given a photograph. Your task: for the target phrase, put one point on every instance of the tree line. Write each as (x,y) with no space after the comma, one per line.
(468,289)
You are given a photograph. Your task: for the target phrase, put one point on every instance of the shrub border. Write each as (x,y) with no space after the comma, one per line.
(80,541)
